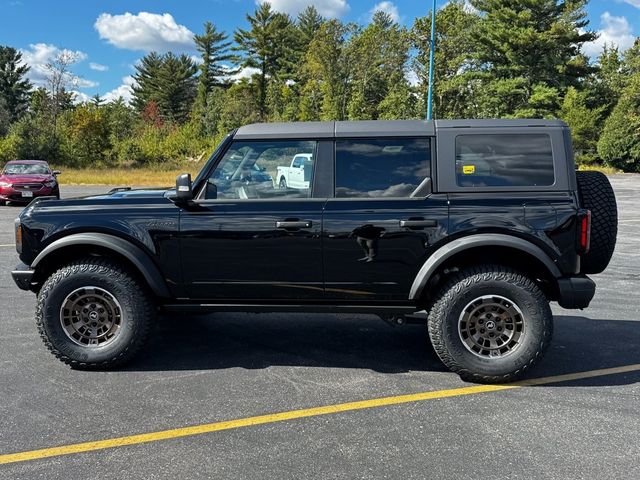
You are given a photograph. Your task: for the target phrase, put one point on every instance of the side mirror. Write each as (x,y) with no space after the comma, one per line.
(184,191)
(56,173)
(211,192)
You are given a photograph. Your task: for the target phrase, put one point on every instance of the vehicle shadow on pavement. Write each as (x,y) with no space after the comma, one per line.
(249,341)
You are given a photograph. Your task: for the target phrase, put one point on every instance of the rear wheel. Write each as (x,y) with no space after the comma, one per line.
(490,324)
(94,314)
(283,184)
(596,194)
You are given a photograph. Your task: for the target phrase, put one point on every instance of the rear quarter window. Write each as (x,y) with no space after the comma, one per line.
(504,160)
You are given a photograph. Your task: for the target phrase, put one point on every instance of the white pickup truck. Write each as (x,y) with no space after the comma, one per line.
(298,174)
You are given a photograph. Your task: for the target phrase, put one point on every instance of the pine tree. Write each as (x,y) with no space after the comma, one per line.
(538,40)
(176,87)
(268,46)
(453,61)
(584,123)
(309,22)
(535,44)
(619,145)
(145,87)
(379,56)
(214,50)
(324,92)
(14,86)
(169,81)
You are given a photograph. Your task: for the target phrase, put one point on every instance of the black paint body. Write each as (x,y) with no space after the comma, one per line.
(355,251)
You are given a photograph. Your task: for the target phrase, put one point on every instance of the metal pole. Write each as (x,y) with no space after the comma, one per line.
(431,61)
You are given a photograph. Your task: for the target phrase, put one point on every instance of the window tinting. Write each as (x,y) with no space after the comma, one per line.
(382,168)
(504,161)
(254,170)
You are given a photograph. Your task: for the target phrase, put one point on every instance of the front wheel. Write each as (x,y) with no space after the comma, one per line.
(490,324)
(94,314)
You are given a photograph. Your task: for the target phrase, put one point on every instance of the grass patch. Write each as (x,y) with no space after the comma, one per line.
(124,176)
(599,168)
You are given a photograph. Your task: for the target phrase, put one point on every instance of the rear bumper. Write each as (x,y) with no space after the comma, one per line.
(576,292)
(23,276)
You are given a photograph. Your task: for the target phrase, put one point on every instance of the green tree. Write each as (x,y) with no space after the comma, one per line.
(240,107)
(605,86)
(326,74)
(584,123)
(619,145)
(453,61)
(536,42)
(169,81)
(214,51)
(145,87)
(379,55)
(309,22)
(268,46)
(14,86)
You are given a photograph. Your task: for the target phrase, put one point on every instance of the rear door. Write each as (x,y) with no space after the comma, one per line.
(383,221)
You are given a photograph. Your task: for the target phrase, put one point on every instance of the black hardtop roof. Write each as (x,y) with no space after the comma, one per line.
(376,128)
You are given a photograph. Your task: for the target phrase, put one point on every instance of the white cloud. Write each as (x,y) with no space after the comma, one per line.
(634,3)
(326,8)
(387,7)
(97,67)
(615,31)
(38,55)
(79,97)
(144,31)
(246,72)
(123,90)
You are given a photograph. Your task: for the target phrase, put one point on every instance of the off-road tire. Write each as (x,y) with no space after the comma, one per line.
(596,194)
(465,286)
(282,184)
(136,303)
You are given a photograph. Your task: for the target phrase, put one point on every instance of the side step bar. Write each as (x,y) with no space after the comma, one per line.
(381,310)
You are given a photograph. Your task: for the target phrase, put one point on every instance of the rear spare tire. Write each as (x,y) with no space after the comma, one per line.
(596,194)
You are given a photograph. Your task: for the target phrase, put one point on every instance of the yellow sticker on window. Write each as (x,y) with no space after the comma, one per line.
(468,169)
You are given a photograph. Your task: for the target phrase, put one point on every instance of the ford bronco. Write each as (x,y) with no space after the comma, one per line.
(479,223)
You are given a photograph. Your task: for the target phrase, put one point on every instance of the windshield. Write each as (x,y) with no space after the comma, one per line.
(26,169)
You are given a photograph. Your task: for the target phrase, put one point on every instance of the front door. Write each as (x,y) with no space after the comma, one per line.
(247,239)
(383,222)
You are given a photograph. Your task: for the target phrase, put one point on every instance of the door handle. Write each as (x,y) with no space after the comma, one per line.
(418,223)
(294,224)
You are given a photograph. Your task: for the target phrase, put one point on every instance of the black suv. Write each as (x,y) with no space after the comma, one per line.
(479,223)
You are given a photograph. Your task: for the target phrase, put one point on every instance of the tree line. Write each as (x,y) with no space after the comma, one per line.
(497,59)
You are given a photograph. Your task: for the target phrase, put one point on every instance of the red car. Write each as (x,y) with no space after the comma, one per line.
(23,180)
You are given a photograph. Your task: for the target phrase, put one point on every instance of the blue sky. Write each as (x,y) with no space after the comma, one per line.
(109,37)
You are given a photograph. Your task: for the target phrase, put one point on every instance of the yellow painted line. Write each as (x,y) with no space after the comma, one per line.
(295,414)
(8,245)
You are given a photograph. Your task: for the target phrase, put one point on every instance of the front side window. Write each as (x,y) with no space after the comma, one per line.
(270,170)
(382,168)
(509,160)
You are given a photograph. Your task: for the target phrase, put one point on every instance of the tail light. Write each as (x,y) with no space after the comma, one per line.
(584,231)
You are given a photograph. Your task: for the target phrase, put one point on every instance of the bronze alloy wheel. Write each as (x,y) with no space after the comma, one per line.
(491,326)
(91,317)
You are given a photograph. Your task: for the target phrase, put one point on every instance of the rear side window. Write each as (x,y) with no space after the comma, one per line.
(524,160)
(383,168)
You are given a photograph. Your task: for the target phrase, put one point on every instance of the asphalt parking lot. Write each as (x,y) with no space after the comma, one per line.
(224,367)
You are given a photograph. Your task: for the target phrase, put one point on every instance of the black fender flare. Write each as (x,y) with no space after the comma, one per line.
(141,261)
(479,240)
